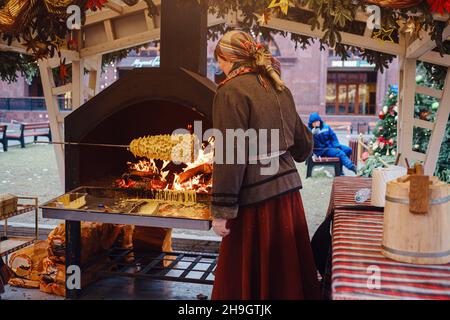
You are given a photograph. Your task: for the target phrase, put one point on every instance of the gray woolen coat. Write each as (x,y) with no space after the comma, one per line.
(243,103)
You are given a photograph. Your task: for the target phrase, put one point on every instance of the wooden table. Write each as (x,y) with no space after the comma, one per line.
(359,270)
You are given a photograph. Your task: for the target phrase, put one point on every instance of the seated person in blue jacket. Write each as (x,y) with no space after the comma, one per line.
(326,143)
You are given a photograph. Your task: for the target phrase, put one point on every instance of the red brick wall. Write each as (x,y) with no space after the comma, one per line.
(305,75)
(17,89)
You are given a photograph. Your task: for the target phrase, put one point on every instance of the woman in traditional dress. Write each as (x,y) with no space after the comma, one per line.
(265,251)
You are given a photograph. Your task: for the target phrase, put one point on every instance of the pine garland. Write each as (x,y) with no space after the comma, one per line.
(333,17)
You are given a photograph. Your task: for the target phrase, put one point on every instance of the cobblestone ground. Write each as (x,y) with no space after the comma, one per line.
(32,172)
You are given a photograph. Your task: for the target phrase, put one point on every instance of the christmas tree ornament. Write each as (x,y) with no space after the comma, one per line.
(384,34)
(413,27)
(95,4)
(264,18)
(282,4)
(63,72)
(381,115)
(392,111)
(385,109)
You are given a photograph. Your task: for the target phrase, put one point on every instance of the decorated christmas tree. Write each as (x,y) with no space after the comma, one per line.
(384,143)
(385,132)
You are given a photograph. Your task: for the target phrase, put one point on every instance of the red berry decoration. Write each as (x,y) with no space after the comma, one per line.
(439,6)
(95,4)
(381,115)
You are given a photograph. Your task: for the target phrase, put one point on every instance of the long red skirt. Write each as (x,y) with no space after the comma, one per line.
(267,254)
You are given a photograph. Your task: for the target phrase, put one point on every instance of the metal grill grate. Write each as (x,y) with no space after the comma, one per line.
(170,266)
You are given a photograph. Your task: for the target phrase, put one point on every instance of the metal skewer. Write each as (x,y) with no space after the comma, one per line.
(86,144)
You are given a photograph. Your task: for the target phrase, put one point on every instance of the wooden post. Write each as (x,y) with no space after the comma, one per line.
(77,83)
(360,148)
(406,110)
(94,65)
(438,133)
(48,83)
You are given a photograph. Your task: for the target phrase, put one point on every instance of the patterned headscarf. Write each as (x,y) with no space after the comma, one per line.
(249,56)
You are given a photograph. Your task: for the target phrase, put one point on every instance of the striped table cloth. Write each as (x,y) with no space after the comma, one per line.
(360,271)
(344,189)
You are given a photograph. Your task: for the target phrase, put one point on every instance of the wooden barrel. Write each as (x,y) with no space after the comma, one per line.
(417,238)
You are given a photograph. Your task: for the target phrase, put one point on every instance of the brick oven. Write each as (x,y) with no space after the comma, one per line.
(145,101)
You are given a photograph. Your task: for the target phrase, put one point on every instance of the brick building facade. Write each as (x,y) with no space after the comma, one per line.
(319,81)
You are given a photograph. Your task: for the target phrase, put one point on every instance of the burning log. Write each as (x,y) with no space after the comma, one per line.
(146,174)
(189,174)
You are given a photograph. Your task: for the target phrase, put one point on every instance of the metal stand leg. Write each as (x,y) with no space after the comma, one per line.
(309,167)
(73,252)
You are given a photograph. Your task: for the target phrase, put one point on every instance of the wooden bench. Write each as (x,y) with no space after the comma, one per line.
(360,127)
(313,161)
(36,129)
(3,139)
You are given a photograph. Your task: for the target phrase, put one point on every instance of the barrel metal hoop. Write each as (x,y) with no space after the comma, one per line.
(416,254)
(406,201)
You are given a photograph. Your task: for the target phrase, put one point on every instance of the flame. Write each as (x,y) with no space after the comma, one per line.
(144,166)
(196,183)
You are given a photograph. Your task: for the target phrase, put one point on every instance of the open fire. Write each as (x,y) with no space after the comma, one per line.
(153,174)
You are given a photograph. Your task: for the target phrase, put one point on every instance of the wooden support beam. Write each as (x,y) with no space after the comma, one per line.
(62,89)
(111,41)
(429,91)
(100,16)
(109,30)
(406,110)
(69,55)
(88,92)
(347,38)
(150,22)
(77,84)
(14,47)
(119,44)
(114,7)
(435,58)
(95,73)
(61,116)
(423,124)
(438,133)
(422,46)
(417,156)
(51,101)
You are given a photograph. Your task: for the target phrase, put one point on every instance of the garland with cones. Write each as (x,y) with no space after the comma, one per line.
(40,25)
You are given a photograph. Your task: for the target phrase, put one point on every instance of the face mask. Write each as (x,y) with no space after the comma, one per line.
(315,130)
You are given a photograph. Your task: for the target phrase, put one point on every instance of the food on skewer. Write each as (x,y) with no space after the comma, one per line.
(175,147)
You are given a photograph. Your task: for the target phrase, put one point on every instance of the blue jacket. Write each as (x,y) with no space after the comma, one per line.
(325,138)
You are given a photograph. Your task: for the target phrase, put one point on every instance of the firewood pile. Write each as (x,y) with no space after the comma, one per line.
(42,265)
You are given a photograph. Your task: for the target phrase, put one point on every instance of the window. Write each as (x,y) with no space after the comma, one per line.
(351,93)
